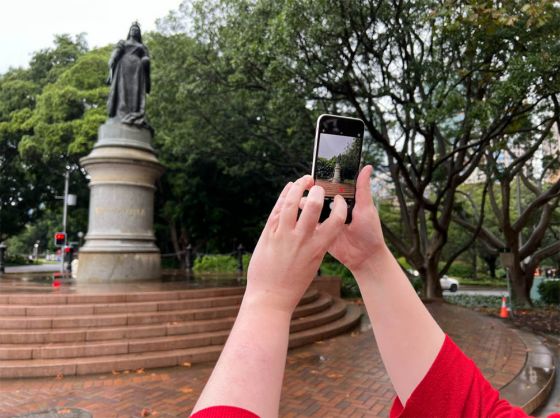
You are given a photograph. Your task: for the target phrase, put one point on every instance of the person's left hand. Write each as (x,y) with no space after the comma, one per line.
(290,250)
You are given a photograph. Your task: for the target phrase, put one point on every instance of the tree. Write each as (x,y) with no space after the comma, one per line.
(48,120)
(435,83)
(230,136)
(523,199)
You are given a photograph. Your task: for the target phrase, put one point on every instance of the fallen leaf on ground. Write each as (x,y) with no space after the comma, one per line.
(335,375)
(115,372)
(355,334)
(314,372)
(140,371)
(186,389)
(186,364)
(319,342)
(64,411)
(146,412)
(59,376)
(126,372)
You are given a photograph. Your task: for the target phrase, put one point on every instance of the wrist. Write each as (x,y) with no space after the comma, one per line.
(375,263)
(266,304)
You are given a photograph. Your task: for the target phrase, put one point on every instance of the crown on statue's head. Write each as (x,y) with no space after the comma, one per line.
(135,24)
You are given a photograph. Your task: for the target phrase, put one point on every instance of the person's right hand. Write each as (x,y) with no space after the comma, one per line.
(363,237)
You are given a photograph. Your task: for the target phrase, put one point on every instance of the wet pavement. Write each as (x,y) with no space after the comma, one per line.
(59,283)
(552,404)
(339,377)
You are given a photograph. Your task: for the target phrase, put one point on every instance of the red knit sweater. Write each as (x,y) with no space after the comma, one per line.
(453,387)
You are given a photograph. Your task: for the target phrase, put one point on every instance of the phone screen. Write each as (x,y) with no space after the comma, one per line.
(338,161)
(338,150)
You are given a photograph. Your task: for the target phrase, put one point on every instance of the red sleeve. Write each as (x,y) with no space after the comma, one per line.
(454,387)
(224,412)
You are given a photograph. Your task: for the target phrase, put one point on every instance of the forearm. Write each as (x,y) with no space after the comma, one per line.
(250,370)
(408,337)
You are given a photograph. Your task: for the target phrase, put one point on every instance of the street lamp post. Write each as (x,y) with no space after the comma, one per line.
(36,252)
(68,200)
(2,252)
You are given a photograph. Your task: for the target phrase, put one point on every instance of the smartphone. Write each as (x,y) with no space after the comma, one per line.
(336,159)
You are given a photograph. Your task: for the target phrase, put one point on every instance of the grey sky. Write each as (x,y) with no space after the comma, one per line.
(29,25)
(333,145)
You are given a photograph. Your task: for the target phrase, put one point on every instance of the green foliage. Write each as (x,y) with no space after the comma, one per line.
(215,264)
(404,263)
(550,291)
(49,116)
(483,282)
(349,287)
(219,264)
(460,269)
(472,301)
(229,134)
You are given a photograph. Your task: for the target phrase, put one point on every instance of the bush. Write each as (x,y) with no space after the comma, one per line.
(501,273)
(219,263)
(16,260)
(460,269)
(417,284)
(349,287)
(475,301)
(550,292)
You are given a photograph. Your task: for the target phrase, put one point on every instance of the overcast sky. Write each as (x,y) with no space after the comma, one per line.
(29,25)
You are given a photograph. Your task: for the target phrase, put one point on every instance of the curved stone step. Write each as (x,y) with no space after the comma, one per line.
(68,335)
(140,318)
(159,343)
(130,307)
(342,325)
(131,361)
(100,298)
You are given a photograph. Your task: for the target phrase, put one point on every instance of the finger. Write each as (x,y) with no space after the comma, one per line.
(302,202)
(332,226)
(272,221)
(309,217)
(288,212)
(363,188)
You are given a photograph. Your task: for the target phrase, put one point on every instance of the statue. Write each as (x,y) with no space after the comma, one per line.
(129,78)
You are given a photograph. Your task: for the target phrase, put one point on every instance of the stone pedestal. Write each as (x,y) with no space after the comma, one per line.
(120,243)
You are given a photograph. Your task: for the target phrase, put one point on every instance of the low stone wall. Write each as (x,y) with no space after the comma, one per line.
(327,284)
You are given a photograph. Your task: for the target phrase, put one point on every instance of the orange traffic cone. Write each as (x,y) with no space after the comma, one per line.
(503,309)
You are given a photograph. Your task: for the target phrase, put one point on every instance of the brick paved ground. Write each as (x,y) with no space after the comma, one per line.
(341,377)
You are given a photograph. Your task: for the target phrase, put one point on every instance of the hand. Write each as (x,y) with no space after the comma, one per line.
(363,237)
(290,250)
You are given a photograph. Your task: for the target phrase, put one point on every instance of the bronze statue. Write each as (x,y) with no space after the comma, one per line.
(129,77)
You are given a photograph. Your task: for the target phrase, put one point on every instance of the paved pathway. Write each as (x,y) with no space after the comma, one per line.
(341,377)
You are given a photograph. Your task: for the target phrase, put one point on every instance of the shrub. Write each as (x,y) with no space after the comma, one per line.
(219,263)
(501,273)
(474,300)
(417,284)
(550,292)
(460,269)
(349,287)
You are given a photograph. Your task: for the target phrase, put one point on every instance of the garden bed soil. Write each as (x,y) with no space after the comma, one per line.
(546,320)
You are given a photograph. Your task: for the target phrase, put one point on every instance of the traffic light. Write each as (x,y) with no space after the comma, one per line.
(59,239)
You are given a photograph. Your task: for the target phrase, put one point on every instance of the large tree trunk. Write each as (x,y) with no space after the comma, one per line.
(432,287)
(521,283)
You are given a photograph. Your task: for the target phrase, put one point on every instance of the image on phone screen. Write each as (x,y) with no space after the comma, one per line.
(338,161)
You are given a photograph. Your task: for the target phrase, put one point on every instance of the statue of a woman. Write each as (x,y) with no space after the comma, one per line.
(129,77)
